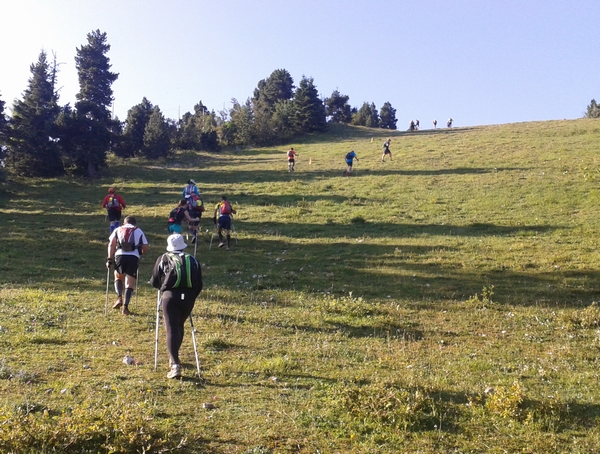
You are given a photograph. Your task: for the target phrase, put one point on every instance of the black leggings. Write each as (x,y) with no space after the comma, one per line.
(177,306)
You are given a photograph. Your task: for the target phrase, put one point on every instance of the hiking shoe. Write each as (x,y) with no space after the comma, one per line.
(118,303)
(175,371)
(125,311)
(221,244)
(227,248)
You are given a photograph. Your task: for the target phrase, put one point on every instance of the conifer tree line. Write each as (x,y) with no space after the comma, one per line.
(42,138)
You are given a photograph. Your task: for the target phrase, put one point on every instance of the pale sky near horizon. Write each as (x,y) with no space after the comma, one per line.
(477,61)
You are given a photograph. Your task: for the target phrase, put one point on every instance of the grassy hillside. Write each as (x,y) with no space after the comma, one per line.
(443,301)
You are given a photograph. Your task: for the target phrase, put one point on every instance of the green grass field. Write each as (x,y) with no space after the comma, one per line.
(441,302)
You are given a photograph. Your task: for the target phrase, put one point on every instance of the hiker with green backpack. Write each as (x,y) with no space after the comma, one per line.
(179,277)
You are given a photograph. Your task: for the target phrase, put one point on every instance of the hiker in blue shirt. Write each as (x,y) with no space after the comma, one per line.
(350,157)
(190,189)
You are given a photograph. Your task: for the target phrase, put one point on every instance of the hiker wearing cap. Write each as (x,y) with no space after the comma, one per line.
(190,189)
(114,205)
(222,220)
(125,246)
(178,215)
(178,276)
(350,157)
(195,207)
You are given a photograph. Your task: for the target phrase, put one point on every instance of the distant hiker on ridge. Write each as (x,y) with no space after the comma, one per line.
(434,124)
(386,150)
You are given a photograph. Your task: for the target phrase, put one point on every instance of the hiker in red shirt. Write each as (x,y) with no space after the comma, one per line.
(291,155)
(114,204)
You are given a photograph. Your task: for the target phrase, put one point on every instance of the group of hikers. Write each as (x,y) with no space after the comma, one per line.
(414,124)
(176,274)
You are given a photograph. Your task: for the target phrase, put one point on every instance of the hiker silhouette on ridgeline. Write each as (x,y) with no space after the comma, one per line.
(434,124)
(114,205)
(195,207)
(179,214)
(417,125)
(223,222)
(411,125)
(291,157)
(179,277)
(386,150)
(449,123)
(125,246)
(350,157)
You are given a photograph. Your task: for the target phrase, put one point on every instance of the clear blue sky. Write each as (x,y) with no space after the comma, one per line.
(477,61)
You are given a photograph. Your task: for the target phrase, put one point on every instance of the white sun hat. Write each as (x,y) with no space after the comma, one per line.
(175,242)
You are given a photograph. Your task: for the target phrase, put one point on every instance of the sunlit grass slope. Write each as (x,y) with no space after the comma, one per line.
(443,301)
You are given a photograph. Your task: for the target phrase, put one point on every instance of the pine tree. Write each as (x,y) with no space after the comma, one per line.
(309,110)
(593,110)
(387,116)
(367,115)
(4,129)
(33,148)
(135,126)
(337,107)
(93,104)
(157,142)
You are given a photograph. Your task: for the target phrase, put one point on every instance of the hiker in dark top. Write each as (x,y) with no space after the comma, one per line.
(178,215)
(386,150)
(179,277)
(222,220)
(125,246)
(114,205)
(411,126)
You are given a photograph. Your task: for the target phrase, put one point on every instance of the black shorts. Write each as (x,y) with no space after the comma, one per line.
(127,264)
(113,214)
(387,151)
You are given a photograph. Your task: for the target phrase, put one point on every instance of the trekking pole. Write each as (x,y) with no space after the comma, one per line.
(137,280)
(196,242)
(157,324)
(195,349)
(107,283)
(212,235)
